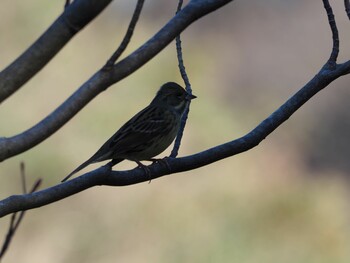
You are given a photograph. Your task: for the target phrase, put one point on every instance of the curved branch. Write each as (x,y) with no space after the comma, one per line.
(104,176)
(74,18)
(176,147)
(102,79)
(335,35)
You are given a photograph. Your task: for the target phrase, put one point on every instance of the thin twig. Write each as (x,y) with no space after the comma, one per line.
(332,61)
(21,215)
(23,178)
(15,221)
(104,175)
(100,81)
(347,7)
(182,69)
(123,45)
(8,237)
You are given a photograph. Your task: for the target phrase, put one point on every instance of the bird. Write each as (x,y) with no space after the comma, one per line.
(148,133)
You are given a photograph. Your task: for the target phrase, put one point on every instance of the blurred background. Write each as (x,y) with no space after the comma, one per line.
(284,201)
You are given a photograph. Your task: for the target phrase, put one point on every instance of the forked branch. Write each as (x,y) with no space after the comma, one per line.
(104,176)
(16,219)
(102,79)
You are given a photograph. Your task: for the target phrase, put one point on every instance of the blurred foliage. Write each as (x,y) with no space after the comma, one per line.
(284,201)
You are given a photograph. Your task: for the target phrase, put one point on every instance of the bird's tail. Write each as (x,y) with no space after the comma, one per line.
(80,167)
(90,161)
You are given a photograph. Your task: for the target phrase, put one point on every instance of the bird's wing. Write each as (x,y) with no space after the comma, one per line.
(137,134)
(140,131)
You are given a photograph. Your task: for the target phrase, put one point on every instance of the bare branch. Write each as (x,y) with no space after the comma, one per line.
(104,176)
(182,69)
(332,61)
(101,80)
(75,17)
(8,237)
(347,7)
(23,178)
(127,37)
(15,221)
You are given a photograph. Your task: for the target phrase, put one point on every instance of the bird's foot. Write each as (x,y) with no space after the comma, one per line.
(163,161)
(114,162)
(109,165)
(145,169)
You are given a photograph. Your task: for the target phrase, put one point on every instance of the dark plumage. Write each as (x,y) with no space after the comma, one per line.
(148,133)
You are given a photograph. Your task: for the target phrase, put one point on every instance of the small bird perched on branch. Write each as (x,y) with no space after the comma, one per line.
(148,133)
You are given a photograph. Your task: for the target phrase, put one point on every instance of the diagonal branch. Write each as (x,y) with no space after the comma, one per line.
(101,80)
(347,7)
(104,176)
(135,17)
(16,219)
(75,17)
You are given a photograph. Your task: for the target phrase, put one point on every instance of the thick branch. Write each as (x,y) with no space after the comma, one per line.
(103,176)
(103,79)
(74,18)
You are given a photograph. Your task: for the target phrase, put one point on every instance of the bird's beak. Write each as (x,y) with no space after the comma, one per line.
(190,97)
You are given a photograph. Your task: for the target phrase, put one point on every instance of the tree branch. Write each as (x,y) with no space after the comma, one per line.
(75,17)
(135,17)
(335,35)
(104,176)
(347,7)
(101,80)
(17,219)
(184,76)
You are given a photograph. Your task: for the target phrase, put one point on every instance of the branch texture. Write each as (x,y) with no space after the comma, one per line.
(102,79)
(75,17)
(104,176)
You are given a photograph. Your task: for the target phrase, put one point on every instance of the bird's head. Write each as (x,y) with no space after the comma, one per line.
(173,95)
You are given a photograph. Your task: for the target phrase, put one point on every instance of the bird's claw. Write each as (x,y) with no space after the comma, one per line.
(145,169)
(162,161)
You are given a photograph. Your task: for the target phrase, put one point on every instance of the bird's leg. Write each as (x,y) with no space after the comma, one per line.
(146,169)
(112,163)
(161,161)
